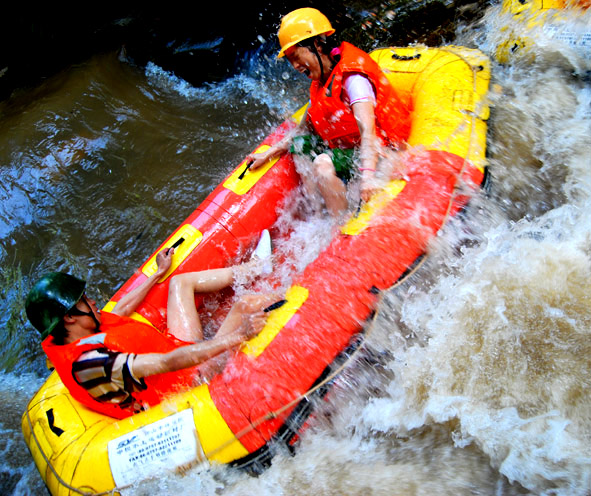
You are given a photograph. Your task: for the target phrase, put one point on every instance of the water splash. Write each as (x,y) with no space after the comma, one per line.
(475,375)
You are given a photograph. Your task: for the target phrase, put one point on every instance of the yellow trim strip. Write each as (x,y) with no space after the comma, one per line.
(217,440)
(192,237)
(109,306)
(242,180)
(295,296)
(361,221)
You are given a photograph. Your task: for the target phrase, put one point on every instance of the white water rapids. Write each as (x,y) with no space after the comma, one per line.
(477,376)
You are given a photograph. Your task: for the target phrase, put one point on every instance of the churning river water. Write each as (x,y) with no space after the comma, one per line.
(483,378)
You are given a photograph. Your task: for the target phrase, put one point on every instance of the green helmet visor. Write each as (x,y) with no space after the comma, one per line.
(51,298)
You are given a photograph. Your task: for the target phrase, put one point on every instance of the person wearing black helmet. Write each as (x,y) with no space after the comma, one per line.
(119,366)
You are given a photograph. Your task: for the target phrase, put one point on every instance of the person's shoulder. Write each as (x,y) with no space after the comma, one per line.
(354,59)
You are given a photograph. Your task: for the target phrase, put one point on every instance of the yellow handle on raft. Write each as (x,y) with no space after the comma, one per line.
(243,178)
(295,296)
(184,241)
(362,219)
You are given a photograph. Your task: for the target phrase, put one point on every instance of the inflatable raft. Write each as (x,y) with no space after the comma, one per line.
(266,391)
(530,21)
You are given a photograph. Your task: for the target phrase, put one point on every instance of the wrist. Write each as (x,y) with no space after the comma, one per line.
(281,147)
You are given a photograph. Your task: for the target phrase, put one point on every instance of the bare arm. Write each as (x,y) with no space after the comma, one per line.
(260,159)
(279,148)
(128,303)
(365,117)
(187,356)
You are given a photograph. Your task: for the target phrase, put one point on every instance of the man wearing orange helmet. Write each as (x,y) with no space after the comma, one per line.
(352,107)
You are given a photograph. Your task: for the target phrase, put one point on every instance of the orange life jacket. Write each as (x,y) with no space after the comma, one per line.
(334,121)
(126,335)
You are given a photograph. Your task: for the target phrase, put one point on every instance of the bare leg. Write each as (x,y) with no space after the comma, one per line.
(246,305)
(183,318)
(331,188)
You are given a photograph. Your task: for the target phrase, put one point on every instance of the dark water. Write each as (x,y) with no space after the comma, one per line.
(486,386)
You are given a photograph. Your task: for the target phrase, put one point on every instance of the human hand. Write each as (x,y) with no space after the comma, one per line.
(369,185)
(252,324)
(393,164)
(164,260)
(257,160)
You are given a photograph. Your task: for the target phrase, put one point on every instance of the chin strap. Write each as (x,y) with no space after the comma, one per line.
(315,52)
(311,45)
(77,311)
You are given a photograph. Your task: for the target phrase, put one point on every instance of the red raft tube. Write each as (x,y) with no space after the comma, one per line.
(264,394)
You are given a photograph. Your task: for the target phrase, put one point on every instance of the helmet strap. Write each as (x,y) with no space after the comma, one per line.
(77,311)
(315,51)
(310,44)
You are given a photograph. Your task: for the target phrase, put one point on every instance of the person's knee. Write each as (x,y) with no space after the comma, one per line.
(324,168)
(176,284)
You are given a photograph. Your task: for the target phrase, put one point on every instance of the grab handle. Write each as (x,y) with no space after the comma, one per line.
(275,306)
(406,57)
(51,419)
(241,176)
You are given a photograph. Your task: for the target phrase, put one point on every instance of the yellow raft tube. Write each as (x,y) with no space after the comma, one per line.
(448,113)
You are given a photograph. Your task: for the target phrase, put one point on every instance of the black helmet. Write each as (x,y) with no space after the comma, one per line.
(51,298)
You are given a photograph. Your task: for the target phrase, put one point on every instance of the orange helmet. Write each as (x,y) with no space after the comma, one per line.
(302,24)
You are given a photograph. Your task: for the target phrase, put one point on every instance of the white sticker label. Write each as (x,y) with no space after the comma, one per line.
(161,446)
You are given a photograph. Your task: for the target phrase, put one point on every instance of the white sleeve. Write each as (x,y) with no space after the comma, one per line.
(358,89)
